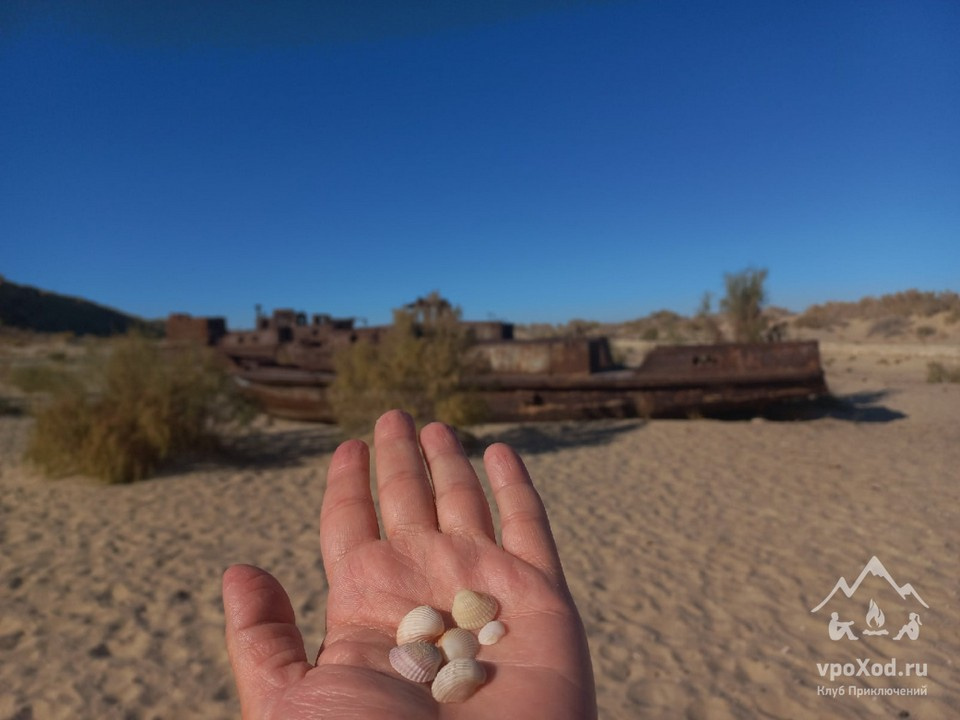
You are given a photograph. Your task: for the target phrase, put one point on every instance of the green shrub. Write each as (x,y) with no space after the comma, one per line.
(743,304)
(144,406)
(940,373)
(417,366)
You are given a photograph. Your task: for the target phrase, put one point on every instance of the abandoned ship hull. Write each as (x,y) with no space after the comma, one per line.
(526,384)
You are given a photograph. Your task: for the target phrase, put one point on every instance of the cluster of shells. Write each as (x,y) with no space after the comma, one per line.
(428,652)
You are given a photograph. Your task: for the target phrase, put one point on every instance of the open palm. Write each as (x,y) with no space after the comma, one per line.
(437,540)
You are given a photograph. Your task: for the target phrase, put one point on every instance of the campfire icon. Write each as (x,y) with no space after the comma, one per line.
(874,619)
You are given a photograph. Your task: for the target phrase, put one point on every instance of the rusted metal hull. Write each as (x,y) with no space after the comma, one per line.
(673,381)
(287,363)
(293,402)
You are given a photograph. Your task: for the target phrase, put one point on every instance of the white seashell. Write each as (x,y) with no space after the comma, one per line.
(422,624)
(473,610)
(458,680)
(417,661)
(491,632)
(458,643)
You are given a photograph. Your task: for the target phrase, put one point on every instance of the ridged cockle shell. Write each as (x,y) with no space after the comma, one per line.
(458,643)
(458,680)
(491,632)
(421,624)
(473,610)
(417,661)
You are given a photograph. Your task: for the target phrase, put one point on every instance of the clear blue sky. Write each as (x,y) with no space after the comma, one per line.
(533,160)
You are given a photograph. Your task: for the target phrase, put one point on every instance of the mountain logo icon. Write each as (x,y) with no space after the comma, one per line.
(875,618)
(876,568)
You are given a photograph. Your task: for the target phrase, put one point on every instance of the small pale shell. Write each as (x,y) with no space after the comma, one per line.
(418,661)
(458,680)
(491,632)
(421,624)
(473,610)
(458,643)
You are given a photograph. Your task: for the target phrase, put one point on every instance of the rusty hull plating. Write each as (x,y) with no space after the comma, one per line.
(287,362)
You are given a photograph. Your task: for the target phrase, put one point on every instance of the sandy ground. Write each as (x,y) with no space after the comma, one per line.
(695,550)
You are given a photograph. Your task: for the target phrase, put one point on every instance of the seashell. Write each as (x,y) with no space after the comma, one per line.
(417,661)
(458,680)
(421,624)
(458,643)
(473,610)
(491,632)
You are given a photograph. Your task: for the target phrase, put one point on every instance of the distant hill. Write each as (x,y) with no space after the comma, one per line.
(28,308)
(909,316)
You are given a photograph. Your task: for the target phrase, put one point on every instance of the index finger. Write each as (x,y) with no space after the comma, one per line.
(406,497)
(525,529)
(348,518)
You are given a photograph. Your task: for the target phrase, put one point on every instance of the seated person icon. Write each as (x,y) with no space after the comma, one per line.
(839,629)
(912,628)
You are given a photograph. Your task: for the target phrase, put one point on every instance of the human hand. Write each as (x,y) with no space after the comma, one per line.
(436,542)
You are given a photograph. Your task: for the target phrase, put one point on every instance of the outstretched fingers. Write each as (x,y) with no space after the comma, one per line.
(525,529)
(263,642)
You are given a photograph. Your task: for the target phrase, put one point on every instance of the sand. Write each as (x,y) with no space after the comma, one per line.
(695,550)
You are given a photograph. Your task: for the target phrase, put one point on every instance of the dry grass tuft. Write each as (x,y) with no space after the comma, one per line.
(144,406)
(940,373)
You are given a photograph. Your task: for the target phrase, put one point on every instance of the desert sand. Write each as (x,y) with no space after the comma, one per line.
(695,549)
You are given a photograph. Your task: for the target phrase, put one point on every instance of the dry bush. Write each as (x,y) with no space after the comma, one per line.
(892,326)
(144,406)
(912,302)
(822,317)
(940,373)
(415,366)
(43,378)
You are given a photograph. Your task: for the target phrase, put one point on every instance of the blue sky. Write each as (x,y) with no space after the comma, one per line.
(534,160)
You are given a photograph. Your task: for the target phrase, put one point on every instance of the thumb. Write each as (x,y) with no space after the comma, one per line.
(263,642)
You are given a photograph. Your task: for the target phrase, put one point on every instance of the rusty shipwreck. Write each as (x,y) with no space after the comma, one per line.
(287,363)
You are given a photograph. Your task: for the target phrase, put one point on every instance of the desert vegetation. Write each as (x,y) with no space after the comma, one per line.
(139,407)
(417,365)
(937,372)
(743,303)
(880,310)
(742,316)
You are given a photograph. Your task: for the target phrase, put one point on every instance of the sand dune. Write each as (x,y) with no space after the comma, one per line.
(695,549)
